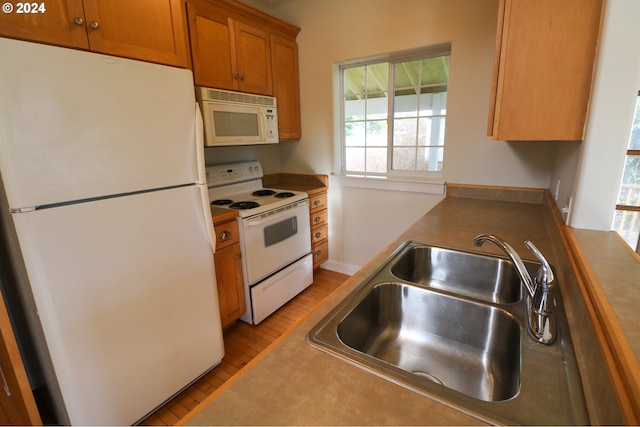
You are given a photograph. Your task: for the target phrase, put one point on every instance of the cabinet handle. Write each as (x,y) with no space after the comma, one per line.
(224,235)
(78,20)
(316,203)
(317,254)
(316,220)
(94,25)
(238,256)
(242,77)
(317,235)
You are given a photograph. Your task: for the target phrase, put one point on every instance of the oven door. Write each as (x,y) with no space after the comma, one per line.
(273,240)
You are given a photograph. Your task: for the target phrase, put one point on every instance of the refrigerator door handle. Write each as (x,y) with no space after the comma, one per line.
(208,220)
(202,178)
(199,141)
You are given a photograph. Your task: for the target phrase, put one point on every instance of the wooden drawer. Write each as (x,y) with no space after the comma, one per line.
(318,202)
(318,234)
(318,218)
(320,253)
(226,234)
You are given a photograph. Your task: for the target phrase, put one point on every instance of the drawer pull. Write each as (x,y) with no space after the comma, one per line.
(317,235)
(318,254)
(224,235)
(317,220)
(316,203)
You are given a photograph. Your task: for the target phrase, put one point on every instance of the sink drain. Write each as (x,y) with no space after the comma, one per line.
(429,376)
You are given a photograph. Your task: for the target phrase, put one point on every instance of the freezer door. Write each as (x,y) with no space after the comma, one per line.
(126,293)
(77,125)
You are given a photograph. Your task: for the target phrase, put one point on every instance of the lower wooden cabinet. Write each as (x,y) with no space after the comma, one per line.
(17,404)
(319,228)
(228,262)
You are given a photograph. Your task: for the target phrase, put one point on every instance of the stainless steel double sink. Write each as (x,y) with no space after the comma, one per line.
(451,324)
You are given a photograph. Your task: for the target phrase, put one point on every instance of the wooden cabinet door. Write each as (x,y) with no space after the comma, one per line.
(228,53)
(230,284)
(211,47)
(62,23)
(544,62)
(253,58)
(17,404)
(286,85)
(149,30)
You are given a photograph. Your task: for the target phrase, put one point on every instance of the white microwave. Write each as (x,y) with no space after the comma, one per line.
(236,118)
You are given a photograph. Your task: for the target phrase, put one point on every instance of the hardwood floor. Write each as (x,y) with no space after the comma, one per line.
(243,342)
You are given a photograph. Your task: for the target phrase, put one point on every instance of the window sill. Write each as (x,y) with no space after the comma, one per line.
(426,187)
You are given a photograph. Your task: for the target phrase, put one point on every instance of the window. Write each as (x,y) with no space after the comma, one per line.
(393,116)
(627,216)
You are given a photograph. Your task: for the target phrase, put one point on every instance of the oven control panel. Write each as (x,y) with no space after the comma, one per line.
(233,172)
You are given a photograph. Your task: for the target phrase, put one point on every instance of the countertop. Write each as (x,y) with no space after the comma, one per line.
(221,215)
(292,383)
(311,184)
(296,384)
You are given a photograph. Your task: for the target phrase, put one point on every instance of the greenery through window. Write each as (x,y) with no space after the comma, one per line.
(394,114)
(627,216)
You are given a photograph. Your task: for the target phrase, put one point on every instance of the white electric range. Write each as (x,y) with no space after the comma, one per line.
(274,233)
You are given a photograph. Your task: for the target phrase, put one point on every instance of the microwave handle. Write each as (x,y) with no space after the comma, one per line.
(263,124)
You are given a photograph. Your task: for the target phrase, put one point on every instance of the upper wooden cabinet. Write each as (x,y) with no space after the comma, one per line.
(237,47)
(543,68)
(228,53)
(286,88)
(148,30)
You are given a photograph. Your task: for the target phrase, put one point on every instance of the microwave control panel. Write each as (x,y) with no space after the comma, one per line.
(272,123)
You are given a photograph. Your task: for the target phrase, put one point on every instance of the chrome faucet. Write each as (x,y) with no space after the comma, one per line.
(542,324)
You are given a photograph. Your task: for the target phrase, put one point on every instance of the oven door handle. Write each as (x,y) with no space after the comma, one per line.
(256,222)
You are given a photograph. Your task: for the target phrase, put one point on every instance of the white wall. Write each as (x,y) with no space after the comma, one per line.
(615,90)
(364,221)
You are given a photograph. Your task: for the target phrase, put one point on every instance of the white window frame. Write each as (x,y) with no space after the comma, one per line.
(433,182)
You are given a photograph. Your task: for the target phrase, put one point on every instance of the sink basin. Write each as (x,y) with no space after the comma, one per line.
(462,345)
(478,276)
(451,324)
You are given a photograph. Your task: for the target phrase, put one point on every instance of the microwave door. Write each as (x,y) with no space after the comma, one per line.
(232,125)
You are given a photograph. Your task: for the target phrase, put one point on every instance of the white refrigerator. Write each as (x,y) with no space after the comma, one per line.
(102,163)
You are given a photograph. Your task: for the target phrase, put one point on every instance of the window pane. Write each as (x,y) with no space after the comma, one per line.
(627,224)
(404,158)
(405,132)
(433,104)
(354,133)
(377,133)
(405,105)
(377,79)
(634,141)
(354,87)
(630,188)
(377,108)
(431,131)
(430,159)
(354,159)
(376,160)
(435,71)
(406,75)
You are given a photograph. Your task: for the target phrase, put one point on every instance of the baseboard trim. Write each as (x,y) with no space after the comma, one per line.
(349,269)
